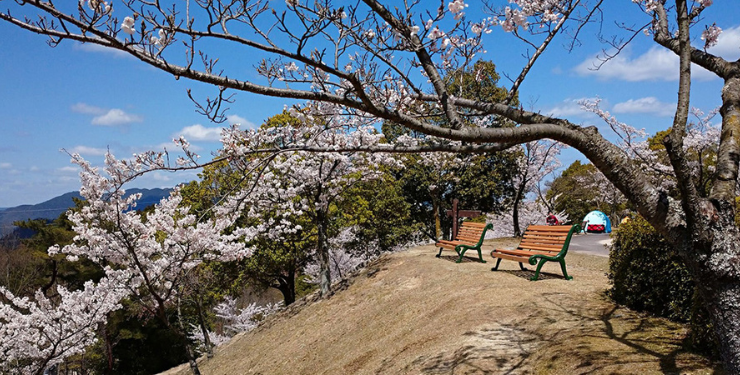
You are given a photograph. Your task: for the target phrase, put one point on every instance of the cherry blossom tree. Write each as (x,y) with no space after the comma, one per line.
(539,161)
(297,183)
(370,60)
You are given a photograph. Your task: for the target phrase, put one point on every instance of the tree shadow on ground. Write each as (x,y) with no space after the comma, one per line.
(496,349)
(614,339)
(560,333)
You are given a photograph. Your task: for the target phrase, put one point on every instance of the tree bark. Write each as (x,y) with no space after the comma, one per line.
(203,328)
(286,286)
(437,220)
(322,250)
(712,254)
(515,212)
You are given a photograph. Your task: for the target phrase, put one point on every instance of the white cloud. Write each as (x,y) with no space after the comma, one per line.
(244,123)
(569,108)
(5,165)
(160,177)
(68,169)
(728,44)
(34,168)
(199,132)
(106,117)
(88,109)
(657,64)
(90,47)
(116,117)
(649,105)
(92,151)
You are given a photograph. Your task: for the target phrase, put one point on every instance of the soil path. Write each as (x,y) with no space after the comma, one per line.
(412,313)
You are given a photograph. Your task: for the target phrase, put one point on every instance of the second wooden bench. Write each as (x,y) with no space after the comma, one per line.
(469,237)
(540,244)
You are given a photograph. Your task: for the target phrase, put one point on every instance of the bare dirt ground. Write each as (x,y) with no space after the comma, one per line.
(412,313)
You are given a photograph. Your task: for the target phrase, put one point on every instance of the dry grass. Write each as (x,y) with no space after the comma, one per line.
(412,313)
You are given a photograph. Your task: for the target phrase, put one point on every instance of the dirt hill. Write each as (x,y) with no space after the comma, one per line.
(412,313)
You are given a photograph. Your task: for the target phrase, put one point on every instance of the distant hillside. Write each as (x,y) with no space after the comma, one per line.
(52,208)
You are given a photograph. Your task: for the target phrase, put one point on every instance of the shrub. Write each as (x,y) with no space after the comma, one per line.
(647,274)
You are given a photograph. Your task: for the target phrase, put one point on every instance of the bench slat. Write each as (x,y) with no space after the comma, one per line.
(550,228)
(556,241)
(541,247)
(521,252)
(545,235)
(520,259)
(472,224)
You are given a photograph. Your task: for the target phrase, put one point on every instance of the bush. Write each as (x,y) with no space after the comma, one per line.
(647,274)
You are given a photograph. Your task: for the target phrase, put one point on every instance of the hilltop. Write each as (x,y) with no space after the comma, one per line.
(412,313)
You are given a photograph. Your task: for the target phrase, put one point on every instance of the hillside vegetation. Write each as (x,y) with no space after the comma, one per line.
(411,313)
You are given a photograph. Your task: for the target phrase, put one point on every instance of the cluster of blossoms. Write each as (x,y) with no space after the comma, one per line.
(40,332)
(234,320)
(128,25)
(98,6)
(456,7)
(710,35)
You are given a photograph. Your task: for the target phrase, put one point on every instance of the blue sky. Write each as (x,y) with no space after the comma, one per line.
(88,100)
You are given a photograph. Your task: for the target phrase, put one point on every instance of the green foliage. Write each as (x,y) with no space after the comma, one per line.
(572,194)
(138,344)
(381,218)
(647,274)
(479,82)
(568,193)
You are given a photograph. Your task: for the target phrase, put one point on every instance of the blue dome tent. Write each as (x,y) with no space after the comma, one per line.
(597,221)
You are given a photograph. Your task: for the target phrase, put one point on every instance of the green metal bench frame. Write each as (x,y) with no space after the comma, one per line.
(461,248)
(540,259)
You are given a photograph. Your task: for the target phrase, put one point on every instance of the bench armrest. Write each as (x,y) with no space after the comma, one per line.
(533,258)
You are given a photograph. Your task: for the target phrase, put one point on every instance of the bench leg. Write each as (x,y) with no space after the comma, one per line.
(462,253)
(537,272)
(497,263)
(565,273)
(522,267)
(459,259)
(480,256)
(440,252)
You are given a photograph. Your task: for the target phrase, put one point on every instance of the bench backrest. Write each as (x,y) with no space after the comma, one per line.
(473,232)
(548,238)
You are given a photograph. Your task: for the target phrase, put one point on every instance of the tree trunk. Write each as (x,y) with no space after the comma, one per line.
(437,219)
(108,350)
(322,250)
(286,286)
(713,256)
(719,266)
(181,334)
(515,210)
(203,328)
(724,311)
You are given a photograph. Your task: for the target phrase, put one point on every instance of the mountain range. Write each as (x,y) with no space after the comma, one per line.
(54,207)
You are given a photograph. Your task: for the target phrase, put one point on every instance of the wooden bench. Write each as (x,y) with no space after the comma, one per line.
(469,237)
(540,243)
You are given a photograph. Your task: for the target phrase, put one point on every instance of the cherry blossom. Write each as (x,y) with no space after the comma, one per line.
(128,26)
(710,35)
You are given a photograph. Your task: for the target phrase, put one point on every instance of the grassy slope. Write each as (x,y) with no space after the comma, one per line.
(413,313)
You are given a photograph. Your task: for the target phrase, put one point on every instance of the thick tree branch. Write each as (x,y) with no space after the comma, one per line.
(674,141)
